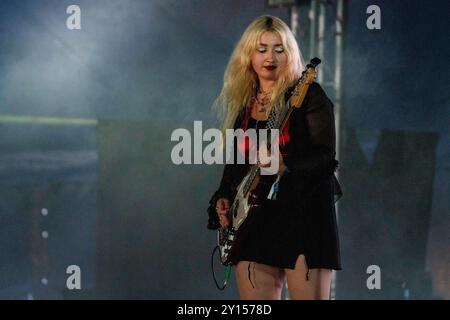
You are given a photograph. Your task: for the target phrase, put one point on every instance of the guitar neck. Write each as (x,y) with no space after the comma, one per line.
(295,101)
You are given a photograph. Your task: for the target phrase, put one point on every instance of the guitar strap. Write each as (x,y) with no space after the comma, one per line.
(275,121)
(271,124)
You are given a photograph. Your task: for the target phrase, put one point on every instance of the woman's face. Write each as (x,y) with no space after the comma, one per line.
(269,58)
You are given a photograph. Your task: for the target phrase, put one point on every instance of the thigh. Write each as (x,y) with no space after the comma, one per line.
(258,281)
(308,284)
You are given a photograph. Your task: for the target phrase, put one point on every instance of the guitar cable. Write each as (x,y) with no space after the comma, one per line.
(227,272)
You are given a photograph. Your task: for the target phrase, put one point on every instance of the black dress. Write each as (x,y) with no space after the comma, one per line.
(302,219)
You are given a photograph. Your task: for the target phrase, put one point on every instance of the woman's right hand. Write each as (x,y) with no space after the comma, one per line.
(222,207)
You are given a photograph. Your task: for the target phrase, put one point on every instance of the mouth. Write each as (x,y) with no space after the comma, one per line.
(270,68)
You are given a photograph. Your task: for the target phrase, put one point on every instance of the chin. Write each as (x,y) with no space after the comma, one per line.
(270,77)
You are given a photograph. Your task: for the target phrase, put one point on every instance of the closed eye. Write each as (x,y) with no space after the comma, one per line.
(278,49)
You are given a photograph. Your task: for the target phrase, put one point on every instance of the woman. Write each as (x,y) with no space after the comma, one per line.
(293,237)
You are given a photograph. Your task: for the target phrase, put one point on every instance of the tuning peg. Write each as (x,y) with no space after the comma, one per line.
(315,61)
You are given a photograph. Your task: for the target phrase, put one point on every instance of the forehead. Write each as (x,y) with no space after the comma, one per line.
(269,38)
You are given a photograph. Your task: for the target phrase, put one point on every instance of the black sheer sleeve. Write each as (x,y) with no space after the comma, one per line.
(317,159)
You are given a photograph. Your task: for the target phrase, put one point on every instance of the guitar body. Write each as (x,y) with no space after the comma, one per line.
(245,204)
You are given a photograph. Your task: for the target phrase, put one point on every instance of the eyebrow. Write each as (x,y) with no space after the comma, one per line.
(266,45)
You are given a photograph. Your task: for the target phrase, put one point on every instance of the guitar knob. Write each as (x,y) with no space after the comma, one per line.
(252,199)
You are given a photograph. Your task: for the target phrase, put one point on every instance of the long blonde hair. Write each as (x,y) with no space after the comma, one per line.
(240,80)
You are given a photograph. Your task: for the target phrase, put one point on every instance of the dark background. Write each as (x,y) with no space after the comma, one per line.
(133,221)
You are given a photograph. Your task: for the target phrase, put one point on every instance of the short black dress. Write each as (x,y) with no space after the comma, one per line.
(302,218)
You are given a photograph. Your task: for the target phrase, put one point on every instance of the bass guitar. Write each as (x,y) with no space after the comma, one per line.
(249,193)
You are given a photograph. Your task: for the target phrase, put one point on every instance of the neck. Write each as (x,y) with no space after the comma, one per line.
(266,85)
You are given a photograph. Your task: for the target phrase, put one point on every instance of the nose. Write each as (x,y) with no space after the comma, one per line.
(270,56)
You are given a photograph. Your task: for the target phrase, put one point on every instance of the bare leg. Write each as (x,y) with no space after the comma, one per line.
(267,280)
(316,287)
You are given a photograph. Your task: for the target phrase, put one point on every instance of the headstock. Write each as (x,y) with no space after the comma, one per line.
(307,78)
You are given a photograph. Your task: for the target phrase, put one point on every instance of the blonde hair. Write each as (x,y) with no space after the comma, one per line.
(240,80)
